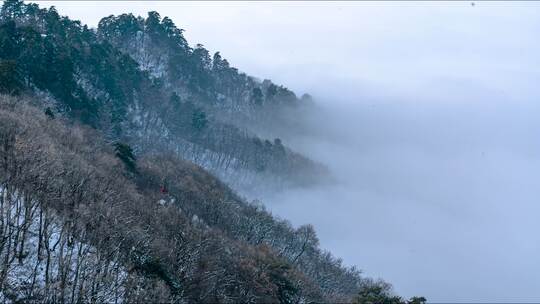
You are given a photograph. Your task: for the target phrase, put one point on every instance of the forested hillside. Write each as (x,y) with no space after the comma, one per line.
(110,140)
(139,81)
(78,224)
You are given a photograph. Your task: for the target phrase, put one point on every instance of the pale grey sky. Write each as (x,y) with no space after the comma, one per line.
(431,125)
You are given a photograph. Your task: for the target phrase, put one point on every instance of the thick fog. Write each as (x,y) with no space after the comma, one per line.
(439,200)
(428,117)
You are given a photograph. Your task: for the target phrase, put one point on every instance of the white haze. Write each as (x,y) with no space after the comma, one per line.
(429,120)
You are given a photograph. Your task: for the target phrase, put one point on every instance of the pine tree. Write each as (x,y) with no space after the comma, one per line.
(199,120)
(49,113)
(9,77)
(125,153)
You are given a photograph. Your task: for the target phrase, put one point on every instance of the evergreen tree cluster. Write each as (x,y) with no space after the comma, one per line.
(139,81)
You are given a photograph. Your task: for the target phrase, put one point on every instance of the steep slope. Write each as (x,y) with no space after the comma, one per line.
(150,89)
(159,47)
(78,226)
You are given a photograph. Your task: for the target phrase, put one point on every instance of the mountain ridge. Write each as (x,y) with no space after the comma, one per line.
(184,108)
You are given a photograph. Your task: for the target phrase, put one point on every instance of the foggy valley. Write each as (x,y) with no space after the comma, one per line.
(439,198)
